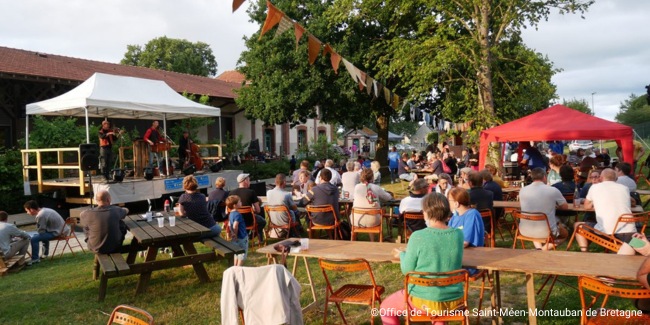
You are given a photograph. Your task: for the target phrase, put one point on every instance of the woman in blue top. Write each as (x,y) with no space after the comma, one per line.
(466,219)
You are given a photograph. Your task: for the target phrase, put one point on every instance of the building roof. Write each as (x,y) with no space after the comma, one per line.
(30,63)
(232,76)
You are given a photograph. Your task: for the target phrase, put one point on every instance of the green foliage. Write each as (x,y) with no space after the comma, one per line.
(634,110)
(432,137)
(580,105)
(234,146)
(58,132)
(265,170)
(11,187)
(401,127)
(171,54)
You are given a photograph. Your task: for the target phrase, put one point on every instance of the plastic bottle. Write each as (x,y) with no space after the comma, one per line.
(167,206)
(576,198)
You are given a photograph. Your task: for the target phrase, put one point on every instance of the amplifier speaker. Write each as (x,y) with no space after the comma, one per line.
(189,170)
(254,148)
(259,188)
(89,153)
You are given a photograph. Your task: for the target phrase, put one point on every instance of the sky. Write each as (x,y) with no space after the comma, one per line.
(608,52)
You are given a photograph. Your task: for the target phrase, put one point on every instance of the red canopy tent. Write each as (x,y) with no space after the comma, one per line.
(559,123)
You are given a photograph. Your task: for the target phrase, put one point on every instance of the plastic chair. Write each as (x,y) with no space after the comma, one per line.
(323,209)
(442,279)
(593,236)
(119,317)
(367,230)
(72,222)
(636,218)
(252,229)
(485,214)
(530,216)
(288,227)
(611,288)
(356,294)
(410,216)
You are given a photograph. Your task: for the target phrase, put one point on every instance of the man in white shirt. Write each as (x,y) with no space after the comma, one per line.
(610,200)
(278,196)
(413,203)
(336,177)
(623,171)
(49,224)
(8,235)
(350,179)
(539,197)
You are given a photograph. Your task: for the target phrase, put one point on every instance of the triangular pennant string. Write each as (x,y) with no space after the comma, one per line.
(351,69)
(335,58)
(361,76)
(387,95)
(299,30)
(370,84)
(236,4)
(314,48)
(285,25)
(273,17)
(395,102)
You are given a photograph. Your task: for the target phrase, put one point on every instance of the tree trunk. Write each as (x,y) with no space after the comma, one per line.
(381,153)
(484,74)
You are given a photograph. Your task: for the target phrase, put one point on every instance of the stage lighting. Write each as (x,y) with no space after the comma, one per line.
(118,175)
(148,173)
(189,170)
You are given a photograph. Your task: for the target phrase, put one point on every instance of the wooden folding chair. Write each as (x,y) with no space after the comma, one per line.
(408,215)
(534,217)
(593,236)
(251,229)
(441,279)
(71,222)
(118,316)
(367,230)
(271,226)
(641,217)
(487,214)
(610,288)
(357,294)
(323,209)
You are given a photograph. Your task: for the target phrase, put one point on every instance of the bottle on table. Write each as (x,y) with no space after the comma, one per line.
(167,209)
(576,198)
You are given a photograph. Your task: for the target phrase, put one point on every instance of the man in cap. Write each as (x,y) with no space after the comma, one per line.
(249,199)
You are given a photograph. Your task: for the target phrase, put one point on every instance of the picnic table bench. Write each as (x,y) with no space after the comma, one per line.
(147,236)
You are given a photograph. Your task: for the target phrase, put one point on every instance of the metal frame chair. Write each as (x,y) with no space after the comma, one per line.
(72,222)
(119,317)
(291,225)
(252,229)
(357,294)
(442,279)
(531,216)
(367,230)
(633,218)
(487,213)
(322,209)
(412,216)
(631,290)
(482,276)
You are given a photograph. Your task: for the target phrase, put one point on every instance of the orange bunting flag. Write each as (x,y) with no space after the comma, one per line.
(388,95)
(273,17)
(395,102)
(362,78)
(236,4)
(335,58)
(369,84)
(313,48)
(299,30)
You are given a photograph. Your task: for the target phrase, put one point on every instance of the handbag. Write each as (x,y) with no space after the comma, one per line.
(445,168)
(284,247)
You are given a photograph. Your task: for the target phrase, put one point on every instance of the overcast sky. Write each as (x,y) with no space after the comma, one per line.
(608,52)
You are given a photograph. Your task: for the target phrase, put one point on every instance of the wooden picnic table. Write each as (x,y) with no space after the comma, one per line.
(581,208)
(529,262)
(148,236)
(643,192)
(510,189)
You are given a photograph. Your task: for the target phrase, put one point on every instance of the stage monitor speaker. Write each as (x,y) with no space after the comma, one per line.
(259,188)
(89,154)
(216,167)
(254,147)
(148,173)
(189,170)
(118,175)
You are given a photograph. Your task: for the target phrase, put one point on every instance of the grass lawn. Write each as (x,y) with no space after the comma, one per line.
(62,292)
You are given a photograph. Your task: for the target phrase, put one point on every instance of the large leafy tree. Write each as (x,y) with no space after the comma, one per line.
(171,54)
(283,87)
(580,105)
(467,52)
(634,110)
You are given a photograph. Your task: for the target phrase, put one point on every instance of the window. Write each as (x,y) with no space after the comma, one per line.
(302,138)
(269,139)
(322,133)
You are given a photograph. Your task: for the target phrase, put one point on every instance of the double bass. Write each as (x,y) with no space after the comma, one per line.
(193,156)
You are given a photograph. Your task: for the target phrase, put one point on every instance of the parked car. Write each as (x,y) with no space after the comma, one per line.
(404,147)
(581,144)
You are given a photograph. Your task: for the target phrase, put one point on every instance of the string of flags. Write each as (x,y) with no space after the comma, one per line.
(365,81)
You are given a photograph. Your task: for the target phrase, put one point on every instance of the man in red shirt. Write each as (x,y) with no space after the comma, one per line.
(152,136)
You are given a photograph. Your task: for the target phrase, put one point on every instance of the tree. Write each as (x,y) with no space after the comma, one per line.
(634,110)
(284,87)
(467,52)
(580,105)
(402,127)
(171,54)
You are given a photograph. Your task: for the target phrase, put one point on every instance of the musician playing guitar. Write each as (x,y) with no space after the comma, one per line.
(107,136)
(153,137)
(184,148)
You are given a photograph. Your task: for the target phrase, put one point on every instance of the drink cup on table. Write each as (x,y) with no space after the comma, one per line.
(172,221)
(149,216)
(161,222)
(177,211)
(304,244)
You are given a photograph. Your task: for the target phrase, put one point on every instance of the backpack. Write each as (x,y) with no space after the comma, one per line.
(346,231)
(445,168)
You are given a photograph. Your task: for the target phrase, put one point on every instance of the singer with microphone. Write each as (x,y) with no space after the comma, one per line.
(107,136)
(153,137)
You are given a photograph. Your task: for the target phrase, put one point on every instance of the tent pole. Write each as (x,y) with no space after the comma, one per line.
(165,130)
(220,140)
(26,131)
(87,131)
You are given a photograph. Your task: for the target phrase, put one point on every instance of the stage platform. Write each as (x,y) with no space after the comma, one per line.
(133,190)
